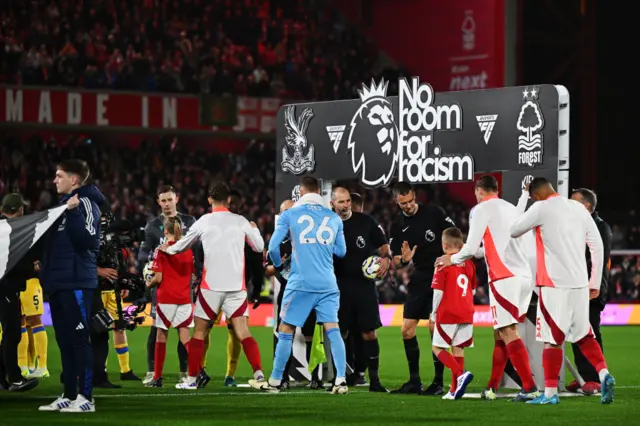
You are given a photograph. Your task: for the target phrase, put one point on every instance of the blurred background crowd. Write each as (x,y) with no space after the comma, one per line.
(282,48)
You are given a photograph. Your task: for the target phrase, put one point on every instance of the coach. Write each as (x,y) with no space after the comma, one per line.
(416,235)
(596,306)
(69,274)
(153,237)
(10,315)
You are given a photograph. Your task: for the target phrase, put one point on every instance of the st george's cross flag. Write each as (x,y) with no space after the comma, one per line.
(19,234)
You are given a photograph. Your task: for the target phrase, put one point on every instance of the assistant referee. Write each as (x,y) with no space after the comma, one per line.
(359,310)
(416,236)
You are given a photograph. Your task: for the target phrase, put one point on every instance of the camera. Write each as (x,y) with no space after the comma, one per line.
(115,237)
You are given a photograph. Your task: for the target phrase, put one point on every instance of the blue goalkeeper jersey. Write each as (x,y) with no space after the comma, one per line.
(316,236)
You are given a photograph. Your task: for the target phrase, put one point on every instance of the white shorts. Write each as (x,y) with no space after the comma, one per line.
(174,316)
(232,303)
(509,300)
(563,315)
(453,335)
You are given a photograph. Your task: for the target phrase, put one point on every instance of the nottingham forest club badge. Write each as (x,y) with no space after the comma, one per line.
(297,153)
(530,123)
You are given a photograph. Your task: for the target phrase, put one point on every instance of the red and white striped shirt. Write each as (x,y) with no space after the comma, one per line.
(223,235)
(489,224)
(563,228)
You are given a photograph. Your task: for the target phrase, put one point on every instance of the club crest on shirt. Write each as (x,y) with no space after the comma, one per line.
(360,242)
(429,236)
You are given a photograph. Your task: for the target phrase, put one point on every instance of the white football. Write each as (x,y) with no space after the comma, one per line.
(370,267)
(147,273)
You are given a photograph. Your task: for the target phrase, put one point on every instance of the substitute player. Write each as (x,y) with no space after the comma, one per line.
(509,276)
(32,305)
(563,229)
(453,290)
(359,308)
(416,236)
(174,309)
(223,235)
(153,237)
(316,236)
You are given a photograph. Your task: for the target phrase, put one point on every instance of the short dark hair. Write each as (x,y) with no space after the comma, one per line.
(357,199)
(589,196)
(310,184)
(75,166)
(487,183)
(537,183)
(235,193)
(164,189)
(219,192)
(402,188)
(453,235)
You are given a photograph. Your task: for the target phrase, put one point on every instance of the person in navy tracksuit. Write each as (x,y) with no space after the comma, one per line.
(69,275)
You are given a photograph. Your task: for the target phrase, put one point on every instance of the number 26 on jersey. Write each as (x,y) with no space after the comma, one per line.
(312,233)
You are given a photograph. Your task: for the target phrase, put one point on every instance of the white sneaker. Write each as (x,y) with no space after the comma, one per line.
(184,378)
(80,405)
(57,405)
(188,384)
(264,386)
(39,373)
(148,378)
(340,388)
(449,396)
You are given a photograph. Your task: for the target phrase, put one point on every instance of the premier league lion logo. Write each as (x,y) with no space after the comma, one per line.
(373,137)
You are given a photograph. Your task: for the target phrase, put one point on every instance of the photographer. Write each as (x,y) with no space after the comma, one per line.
(69,274)
(10,314)
(153,237)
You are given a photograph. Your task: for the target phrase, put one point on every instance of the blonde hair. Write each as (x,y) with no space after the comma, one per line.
(173,226)
(453,237)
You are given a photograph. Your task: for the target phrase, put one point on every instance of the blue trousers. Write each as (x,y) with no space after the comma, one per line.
(70,314)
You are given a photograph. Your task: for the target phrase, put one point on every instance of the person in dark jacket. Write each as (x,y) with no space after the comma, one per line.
(153,237)
(596,306)
(69,274)
(11,285)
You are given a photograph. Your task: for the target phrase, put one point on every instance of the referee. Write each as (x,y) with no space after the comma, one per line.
(153,237)
(416,236)
(596,306)
(359,310)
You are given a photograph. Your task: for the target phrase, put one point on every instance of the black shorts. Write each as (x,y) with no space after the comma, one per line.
(359,308)
(309,326)
(419,296)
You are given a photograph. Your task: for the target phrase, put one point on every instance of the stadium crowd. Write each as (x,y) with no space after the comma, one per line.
(251,47)
(129,177)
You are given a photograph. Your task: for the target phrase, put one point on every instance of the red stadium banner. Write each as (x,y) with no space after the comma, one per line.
(126,111)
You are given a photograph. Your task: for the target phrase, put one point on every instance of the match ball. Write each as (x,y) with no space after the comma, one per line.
(370,267)
(147,273)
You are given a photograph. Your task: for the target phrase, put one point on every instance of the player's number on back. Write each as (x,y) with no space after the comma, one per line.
(324,234)
(463,283)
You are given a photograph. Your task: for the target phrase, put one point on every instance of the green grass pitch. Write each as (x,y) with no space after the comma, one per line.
(137,405)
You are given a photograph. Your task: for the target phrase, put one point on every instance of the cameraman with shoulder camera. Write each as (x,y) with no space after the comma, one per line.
(111,265)
(153,237)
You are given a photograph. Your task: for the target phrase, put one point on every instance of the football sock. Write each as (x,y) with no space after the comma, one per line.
(122,350)
(196,348)
(283,352)
(234,347)
(447,359)
(252,352)
(23,349)
(592,351)
(454,379)
(520,359)
(32,356)
(412,350)
(438,370)
(360,353)
(40,342)
(183,356)
(151,347)
(206,340)
(552,363)
(498,363)
(372,349)
(160,353)
(338,352)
